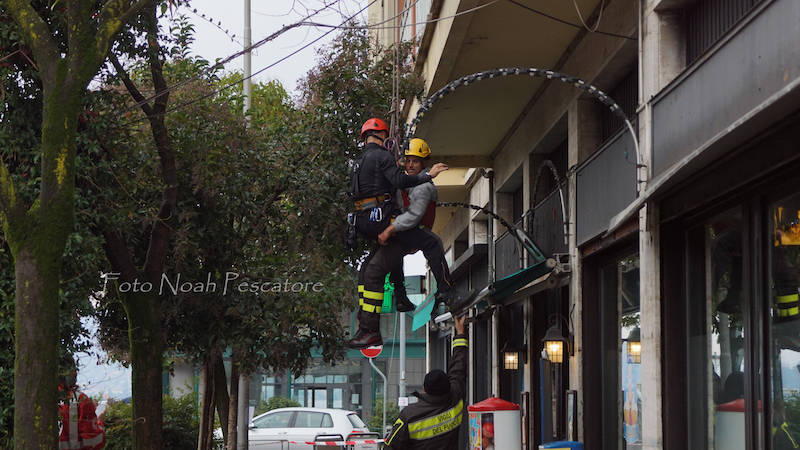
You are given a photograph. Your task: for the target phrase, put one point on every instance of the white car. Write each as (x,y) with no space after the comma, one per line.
(286,428)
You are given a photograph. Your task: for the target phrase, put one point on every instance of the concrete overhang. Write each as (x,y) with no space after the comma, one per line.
(466,127)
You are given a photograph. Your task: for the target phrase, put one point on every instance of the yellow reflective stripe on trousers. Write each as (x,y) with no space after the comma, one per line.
(788,298)
(438,424)
(460,342)
(789,312)
(373,295)
(367,307)
(397,430)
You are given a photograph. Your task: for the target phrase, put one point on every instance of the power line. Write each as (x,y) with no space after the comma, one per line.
(424,22)
(226,60)
(229,85)
(559,20)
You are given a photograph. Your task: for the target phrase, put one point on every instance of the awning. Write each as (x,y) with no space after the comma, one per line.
(422,314)
(505,287)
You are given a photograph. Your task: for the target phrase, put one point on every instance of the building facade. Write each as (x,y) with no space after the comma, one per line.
(678,260)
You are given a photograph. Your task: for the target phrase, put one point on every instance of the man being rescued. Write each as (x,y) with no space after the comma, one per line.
(414,230)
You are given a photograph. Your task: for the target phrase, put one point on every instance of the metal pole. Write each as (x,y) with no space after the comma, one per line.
(383,429)
(248,88)
(244,380)
(402,384)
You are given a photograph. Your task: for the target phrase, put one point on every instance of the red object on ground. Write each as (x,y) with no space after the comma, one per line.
(493,404)
(80,427)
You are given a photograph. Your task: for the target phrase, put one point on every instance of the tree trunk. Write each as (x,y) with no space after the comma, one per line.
(37,239)
(221,392)
(144,319)
(233,407)
(205,438)
(36,362)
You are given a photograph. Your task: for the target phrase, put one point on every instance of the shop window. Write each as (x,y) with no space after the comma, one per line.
(613,349)
(717,328)
(784,356)
(630,351)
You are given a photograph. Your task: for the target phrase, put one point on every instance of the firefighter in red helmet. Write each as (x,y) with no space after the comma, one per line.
(373,180)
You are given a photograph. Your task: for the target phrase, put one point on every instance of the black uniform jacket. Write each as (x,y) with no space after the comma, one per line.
(379,174)
(434,421)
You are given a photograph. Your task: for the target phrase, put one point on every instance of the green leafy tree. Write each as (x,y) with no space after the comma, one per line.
(376,421)
(180,424)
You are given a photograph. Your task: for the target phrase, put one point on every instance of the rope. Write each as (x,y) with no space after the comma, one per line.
(533,72)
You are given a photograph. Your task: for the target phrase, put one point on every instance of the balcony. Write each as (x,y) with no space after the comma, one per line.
(544,224)
(731,94)
(605,185)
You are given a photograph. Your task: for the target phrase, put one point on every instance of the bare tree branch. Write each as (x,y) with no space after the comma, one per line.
(113,15)
(36,34)
(132,89)
(161,232)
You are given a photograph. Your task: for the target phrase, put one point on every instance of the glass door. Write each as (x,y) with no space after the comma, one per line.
(784,339)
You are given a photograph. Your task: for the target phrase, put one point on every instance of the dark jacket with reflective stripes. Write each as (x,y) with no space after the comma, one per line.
(378,173)
(433,422)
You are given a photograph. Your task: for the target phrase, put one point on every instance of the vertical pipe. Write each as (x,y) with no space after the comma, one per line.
(495,375)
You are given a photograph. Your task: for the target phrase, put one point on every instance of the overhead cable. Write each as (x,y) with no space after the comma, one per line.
(599,16)
(575,25)
(229,58)
(234,83)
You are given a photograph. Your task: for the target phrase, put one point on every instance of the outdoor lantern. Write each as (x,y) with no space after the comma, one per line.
(634,344)
(511,359)
(554,343)
(513,356)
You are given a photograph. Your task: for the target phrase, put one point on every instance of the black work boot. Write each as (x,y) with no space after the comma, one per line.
(365,338)
(455,302)
(401,301)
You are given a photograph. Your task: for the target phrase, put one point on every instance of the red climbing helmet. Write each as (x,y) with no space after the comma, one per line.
(374,124)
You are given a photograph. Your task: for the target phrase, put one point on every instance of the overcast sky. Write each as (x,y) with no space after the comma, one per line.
(268,16)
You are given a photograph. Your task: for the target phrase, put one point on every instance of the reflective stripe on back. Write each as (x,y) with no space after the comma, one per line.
(439,424)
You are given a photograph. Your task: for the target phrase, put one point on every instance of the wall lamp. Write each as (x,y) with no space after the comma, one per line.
(556,345)
(513,356)
(634,345)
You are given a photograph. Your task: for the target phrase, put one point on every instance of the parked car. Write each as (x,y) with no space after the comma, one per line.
(274,429)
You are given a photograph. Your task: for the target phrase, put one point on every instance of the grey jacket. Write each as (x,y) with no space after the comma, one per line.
(419,197)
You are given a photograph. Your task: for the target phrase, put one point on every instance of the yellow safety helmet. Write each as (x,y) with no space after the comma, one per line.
(418,147)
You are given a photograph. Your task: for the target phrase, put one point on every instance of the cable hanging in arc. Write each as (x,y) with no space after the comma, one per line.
(533,72)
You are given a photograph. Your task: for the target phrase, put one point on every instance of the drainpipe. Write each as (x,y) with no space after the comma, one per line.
(495,375)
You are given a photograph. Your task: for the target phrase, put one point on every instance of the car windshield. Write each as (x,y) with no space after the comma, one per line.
(356,421)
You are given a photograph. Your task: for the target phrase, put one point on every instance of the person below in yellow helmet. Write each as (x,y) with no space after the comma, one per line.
(413,229)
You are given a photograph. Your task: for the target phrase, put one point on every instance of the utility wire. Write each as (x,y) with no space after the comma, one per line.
(599,16)
(229,85)
(375,27)
(575,25)
(226,60)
